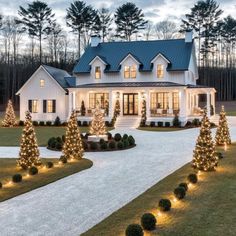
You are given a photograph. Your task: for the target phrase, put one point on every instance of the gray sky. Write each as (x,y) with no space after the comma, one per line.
(154,10)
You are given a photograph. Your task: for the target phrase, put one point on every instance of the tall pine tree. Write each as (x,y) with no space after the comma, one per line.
(10,118)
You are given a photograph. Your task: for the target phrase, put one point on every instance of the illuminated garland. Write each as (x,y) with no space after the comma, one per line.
(204,155)
(73,146)
(29,151)
(98,126)
(10,118)
(222,134)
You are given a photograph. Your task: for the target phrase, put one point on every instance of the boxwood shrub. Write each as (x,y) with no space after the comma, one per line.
(167,124)
(152,124)
(192,178)
(41,123)
(180,192)
(17,178)
(134,230)
(49,165)
(126,143)
(35,123)
(48,123)
(93,146)
(164,204)
(63,159)
(103,146)
(125,136)
(109,136)
(131,140)
(112,145)
(120,145)
(160,123)
(33,170)
(85,123)
(21,123)
(184,185)
(117,137)
(148,221)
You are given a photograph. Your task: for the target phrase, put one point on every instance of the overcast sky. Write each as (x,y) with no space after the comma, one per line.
(154,10)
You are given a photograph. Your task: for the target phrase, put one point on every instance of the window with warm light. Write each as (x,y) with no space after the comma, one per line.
(98,98)
(34,106)
(42,83)
(175,100)
(160,71)
(97,72)
(130,72)
(49,106)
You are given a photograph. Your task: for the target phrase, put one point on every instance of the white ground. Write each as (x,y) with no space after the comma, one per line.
(74,204)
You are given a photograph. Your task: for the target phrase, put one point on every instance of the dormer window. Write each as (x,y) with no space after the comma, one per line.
(97,72)
(42,83)
(160,71)
(130,72)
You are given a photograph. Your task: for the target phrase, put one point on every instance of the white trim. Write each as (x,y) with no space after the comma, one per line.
(32,76)
(99,58)
(130,55)
(160,55)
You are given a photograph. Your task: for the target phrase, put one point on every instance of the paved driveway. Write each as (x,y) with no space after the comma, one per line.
(74,204)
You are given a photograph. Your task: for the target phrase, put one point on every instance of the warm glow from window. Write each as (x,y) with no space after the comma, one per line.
(49,106)
(160,71)
(97,72)
(42,83)
(34,106)
(130,72)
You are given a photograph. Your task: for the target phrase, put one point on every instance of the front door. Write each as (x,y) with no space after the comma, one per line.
(130,104)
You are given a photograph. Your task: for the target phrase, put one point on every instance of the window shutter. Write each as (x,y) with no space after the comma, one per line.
(54,106)
(30,105)
(44,106)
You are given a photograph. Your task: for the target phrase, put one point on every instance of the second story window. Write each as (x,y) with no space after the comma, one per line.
(97,72)
(160,71)
(130,72)
(42,83)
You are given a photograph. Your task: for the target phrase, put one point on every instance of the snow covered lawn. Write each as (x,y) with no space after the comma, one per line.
(74,204)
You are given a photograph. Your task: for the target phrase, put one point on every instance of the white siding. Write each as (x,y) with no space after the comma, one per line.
(51,90)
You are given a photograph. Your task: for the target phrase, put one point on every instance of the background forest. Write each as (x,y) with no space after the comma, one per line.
(35,37)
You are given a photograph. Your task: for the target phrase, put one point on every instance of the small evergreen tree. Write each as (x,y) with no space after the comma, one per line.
(29,151)
(176,122)
(204,155)
(73,146)
(98,126)
(143,113)
(10,118)
(222,134)
(83,109)
(116,112)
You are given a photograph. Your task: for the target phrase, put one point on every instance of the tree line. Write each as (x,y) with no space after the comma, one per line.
(35,37)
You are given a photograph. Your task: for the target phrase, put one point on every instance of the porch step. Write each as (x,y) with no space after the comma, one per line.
(127,122)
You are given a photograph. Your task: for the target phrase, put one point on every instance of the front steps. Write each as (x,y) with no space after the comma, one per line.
(127,122)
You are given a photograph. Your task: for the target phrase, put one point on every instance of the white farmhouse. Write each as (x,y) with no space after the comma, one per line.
(163,72)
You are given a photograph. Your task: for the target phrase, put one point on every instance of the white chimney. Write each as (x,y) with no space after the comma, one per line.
(188,36)
(95,40)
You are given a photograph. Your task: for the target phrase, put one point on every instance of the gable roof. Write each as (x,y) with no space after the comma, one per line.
(175,50)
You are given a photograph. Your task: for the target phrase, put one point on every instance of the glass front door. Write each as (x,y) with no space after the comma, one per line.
(130,104)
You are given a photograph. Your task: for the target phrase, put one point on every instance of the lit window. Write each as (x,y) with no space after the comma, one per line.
(130,72)
(34,106)
(160,71)
(97,72)
(49,106)
(42,83)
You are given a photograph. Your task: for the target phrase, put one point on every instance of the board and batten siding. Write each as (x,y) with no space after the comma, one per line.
(51,91)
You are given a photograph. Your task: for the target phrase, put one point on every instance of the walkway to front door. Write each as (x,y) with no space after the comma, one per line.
(130,104)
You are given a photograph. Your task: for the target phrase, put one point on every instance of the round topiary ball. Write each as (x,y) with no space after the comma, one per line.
(33,170)
(180,192)
(63,159)
(93,146)
(126,143)
(101,141)
(184,185)
(117,137)
(164,204)
(103,146)
(125,136)
(49,165)
(58,146)
(131,140)
(112,145)
(17,178)
(192,178)
(148,221)
(120,145)
(134,230)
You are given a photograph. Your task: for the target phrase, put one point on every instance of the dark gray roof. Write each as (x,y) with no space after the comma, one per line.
(197,86)
(130,84)
(59,75)
(175,50)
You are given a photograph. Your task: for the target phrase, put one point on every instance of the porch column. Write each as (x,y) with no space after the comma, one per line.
(213,102)
(70,103)
(170,103)
(183,104)
(197,100)
(111,98)
(208,104)
(148,103)
(73,100)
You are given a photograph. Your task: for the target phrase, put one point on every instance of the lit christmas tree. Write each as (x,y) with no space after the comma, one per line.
(98,126)
(29,151)
(222,134)
(143,113)
(204,157)
(10,118)
(117,109)
(73,146)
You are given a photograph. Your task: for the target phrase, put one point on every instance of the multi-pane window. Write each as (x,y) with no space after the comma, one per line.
(160,71)
(34,106)
(42,83)
(100,99)
(159,100)
(130,72)
(49,106)
(175,99)
(97,72)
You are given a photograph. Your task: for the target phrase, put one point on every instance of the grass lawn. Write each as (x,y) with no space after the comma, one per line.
(161,129)
(208,209)
(8,168)
(12,136)
(231,113)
